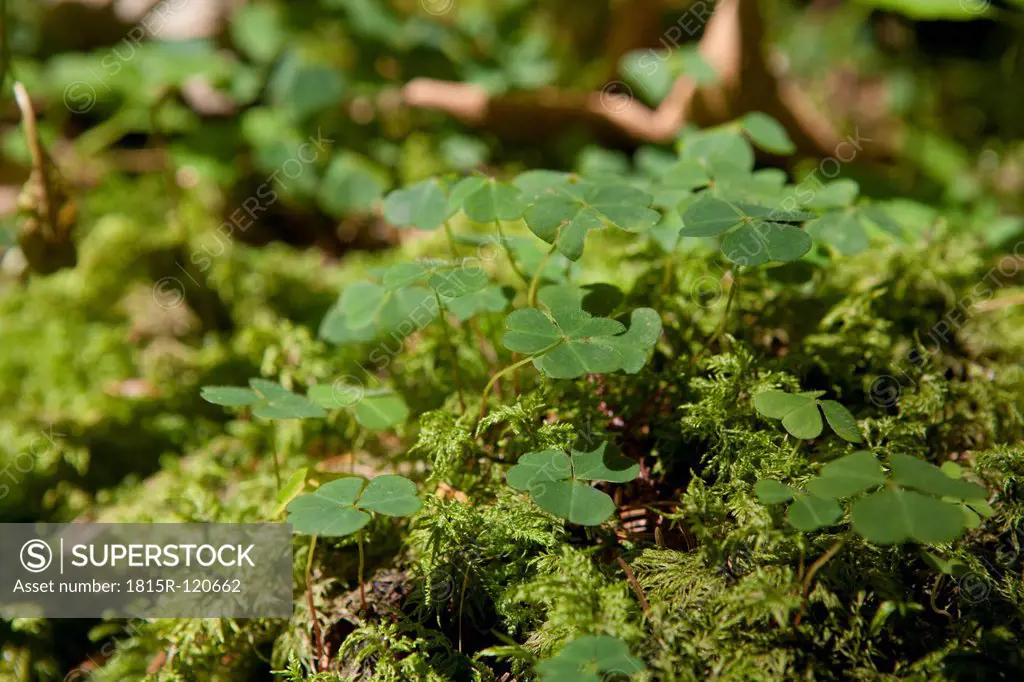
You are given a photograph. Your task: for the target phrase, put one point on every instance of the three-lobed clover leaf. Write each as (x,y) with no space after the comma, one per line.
(423,205)
(564,214)
(591,658)
(916,502)
(268,399)
(848,230)
(485,200)
(560,484)
(756,234)
(342,507)
(368,310)
(800,415)
(568,342)
(376,409)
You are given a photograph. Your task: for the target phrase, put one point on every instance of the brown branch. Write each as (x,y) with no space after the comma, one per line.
(732,44)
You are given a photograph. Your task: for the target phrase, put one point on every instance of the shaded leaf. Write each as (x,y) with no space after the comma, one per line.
(604,463)
(848,475)
(809,513)
(893,515)
(422,205)
(771,491)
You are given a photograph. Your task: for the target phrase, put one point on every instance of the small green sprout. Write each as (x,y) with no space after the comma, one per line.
(591,658)
(800,414)
(343,507)
(560,483)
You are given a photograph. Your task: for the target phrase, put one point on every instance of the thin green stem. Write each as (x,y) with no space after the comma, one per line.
(670,267)
(508,252)
(511,368)
(451,239)
(805,588)
(318,640)
(733,289)
(362,566)
(277,472)
(451,350)
(531,296)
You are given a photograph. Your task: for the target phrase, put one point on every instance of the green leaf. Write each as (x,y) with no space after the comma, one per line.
(840,230)
(809,513)
(955,10)
(720,152)
(351,184)
(529,331)
(876,215)
(582,659)
(490,299)
(693,64)
(295,484)
(758,243)
(565,214)
(485,200)
(380,412)
(258,31)
(836,194)
(893,515)
(328,510)
(390,495)
(572,500)
(402,275)
(635,344)
(333,396)
(771,491)
(545,466)
(841,421)
(709,216)
(767,133)
(928,478)
(422,205)
(777,404)
(604,463)
(847,476)
(280,403)
(570,342)
(804,422)
(302,88)
(229,396)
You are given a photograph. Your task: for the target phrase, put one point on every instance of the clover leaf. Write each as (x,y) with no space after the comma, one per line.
(268,399)
(485,200)
(367,310)
(375,409)
(767,133)
(567,342)
(559,484)
(720,152)
(423,205)
(563,215)
(591,658)
(757,234)
(917,501)
(343,507)
(800,416)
